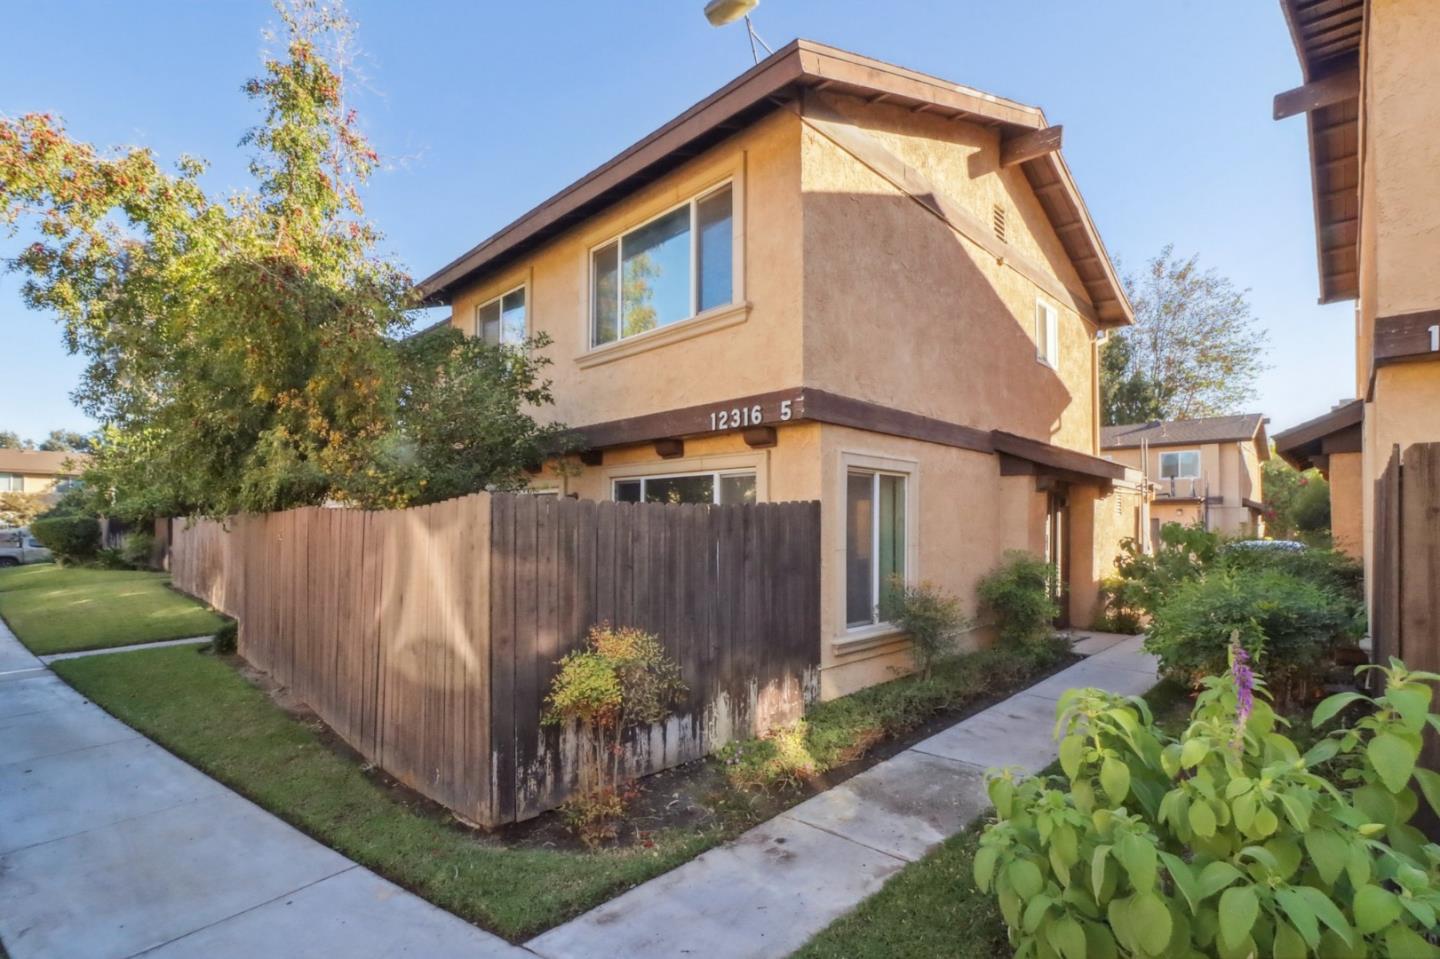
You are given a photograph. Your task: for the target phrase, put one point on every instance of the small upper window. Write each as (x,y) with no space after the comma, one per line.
(502,320)
(11,483)
(1181,464)
(1047,334)
(666,270)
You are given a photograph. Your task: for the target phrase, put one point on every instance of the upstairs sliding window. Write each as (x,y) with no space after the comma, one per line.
(669,269)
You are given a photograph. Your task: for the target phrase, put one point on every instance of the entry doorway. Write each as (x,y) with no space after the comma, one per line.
(1057,551)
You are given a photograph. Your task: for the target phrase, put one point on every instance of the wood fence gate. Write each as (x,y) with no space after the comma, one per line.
(428,637)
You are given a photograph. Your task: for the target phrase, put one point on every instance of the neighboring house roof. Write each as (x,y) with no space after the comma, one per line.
(41,462)
(1211,429)
(1327,41)
(1311,443)
(778,80)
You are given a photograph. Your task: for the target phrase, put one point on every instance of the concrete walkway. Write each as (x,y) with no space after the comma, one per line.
(768,892)
(110,847)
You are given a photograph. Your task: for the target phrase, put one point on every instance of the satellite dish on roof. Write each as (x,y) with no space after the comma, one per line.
(721,12)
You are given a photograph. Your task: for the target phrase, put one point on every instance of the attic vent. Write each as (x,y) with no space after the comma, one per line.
(997,215)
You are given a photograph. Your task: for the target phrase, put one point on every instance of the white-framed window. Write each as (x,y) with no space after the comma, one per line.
(1180,464)
(12,483)
(1047,334)
(875,546)
(669,268)
(723,487)
(502,320)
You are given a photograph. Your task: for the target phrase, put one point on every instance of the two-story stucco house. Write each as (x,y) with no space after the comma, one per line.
(839,280)
(1201,471)
(38,472)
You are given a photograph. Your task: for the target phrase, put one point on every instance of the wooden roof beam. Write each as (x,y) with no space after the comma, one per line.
(1326,91)
(1030,146)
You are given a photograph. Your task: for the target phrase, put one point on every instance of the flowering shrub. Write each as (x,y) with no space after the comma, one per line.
(1227,841)
(620,680)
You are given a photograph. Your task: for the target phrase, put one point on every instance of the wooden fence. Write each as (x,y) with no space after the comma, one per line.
(428,637)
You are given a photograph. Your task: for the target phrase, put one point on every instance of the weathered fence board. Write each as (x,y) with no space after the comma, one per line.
(428,637)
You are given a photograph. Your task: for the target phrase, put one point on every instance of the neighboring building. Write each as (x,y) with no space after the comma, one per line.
(1202,471)
(38,472)
(1332,444)
(840,280)
(1371,88)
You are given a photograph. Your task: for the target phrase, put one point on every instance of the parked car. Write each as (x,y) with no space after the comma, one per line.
(18,547)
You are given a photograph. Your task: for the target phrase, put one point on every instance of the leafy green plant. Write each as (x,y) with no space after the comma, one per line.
(73,539)
(1021,594)
(136,549)
(1226,841)
(930,616)
(1142,581)
(1290,625)
(226,638)
(620,680)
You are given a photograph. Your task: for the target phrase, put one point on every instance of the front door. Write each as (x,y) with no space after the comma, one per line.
(1057,551)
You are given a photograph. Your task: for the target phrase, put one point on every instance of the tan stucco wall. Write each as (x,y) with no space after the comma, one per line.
(36,482)
(1231,471)
(1346,479)
(753,350)
(902,310)
(1098,523)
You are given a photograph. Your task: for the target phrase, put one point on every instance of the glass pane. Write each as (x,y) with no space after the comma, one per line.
(859,545)
(716,262)
(627,491)
(1190,464)
(1169,464)
(656,271)
(680,489)
(606,303)
(891,539)
(512,317)
(487,322)
(737,489)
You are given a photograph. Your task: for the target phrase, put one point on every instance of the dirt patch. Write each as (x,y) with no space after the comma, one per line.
(696,797)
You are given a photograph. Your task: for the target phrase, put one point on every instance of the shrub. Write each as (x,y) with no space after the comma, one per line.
(18,509)
(137,548)
(619,681)
(1226,841)
(931,617)
(1329,568)
(1020,593)
(1291,627)
(74,539)
(1142,581)
(226,638)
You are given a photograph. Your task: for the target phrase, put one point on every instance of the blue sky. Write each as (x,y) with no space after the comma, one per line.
(485,109)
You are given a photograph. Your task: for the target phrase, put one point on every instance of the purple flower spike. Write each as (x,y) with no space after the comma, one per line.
(1244,689)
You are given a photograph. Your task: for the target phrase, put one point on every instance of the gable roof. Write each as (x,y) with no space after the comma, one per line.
(41,462)
(1210,429)
(774,82)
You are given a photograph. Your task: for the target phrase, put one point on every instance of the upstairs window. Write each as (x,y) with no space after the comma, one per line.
(1180,464)
(501,321)
(1047,334)
(677,265)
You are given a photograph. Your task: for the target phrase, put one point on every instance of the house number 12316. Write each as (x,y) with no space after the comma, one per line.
(737,417)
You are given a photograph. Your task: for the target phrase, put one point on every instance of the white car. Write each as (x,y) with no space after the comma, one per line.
(18,547)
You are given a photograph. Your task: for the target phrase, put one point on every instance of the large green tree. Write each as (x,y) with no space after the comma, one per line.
(1195,350)
(245,353)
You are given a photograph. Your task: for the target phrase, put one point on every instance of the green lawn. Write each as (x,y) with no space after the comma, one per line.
(203,710)
(60,609)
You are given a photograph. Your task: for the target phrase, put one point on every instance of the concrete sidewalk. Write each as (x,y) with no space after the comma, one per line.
(768,892)
(110,847)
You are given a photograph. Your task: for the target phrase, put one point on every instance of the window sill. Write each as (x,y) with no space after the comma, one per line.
(701,323)
(867,637)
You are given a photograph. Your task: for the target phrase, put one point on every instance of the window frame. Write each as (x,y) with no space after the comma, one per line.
(618,238)
(875,474)
(499,298)
(1047,333)
(715,474)
(1160,464)
(12,482)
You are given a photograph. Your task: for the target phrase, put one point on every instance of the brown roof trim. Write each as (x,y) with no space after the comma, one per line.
(801,64)
(1056,457)
(1327,36)
(1303,445)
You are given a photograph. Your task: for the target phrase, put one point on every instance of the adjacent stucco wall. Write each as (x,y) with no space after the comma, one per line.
(1346,482)
(729,353)
(902,310)
(1098,523)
